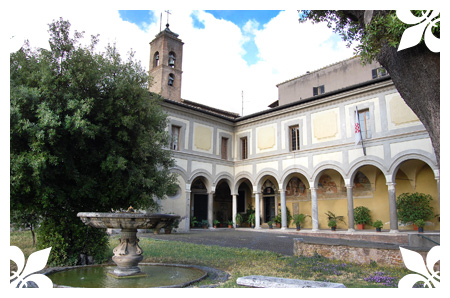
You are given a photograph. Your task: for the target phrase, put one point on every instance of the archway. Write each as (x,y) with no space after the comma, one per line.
(199,199)
(223,211)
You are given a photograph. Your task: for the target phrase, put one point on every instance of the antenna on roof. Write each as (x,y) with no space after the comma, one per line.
(242,102)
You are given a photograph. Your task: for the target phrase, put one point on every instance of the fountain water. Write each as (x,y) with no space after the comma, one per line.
(127,256)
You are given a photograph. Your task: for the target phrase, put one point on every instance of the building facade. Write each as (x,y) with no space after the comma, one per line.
(300,156)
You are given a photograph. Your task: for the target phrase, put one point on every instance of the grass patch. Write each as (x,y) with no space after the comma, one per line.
(240,262)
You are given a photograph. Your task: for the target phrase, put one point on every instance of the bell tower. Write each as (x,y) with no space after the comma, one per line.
(166,56)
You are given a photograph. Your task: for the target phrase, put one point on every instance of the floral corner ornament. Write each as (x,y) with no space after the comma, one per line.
(36,262)
(413,35)
(414,262)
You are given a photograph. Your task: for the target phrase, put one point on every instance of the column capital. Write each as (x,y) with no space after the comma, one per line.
(348,186)
(312,188)
(390,185)
(281,191)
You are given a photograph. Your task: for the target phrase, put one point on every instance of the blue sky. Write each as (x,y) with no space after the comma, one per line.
(142,18)
(226,53)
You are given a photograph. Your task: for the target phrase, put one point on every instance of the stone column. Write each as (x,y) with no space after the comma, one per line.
(392,207)
(234,208)
(351,220)
(187,224)
(257,211)
(314,210)
(210,209)
(283,210)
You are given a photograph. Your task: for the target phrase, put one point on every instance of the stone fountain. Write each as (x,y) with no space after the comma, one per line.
(128,253)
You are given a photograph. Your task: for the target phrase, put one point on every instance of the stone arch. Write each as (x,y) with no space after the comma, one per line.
(242,177)
(205,176)
(422,155)
(321,168)
(263,176)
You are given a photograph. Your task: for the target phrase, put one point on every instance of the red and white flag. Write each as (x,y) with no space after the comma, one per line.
(357,128)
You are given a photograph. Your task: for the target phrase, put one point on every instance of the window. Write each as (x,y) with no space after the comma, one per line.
(244,148)
(318,90)
(294,138)
(364,123)
(171,79)
(156,59)
(172,59)
(378,72)
(175,142)
(224,148)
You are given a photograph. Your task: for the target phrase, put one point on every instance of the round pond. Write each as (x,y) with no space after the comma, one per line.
(98,277)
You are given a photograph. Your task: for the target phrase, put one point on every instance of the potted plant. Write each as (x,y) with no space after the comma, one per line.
(420,223)
(414,206)
(238,220)
(194,221)
(334,219)
(362,217)
(270,223)
(378,225)
(251,220)
(171,227)
(277,220)
(230,224)
(332,224)
(204,224)
(299,219)
(215,223)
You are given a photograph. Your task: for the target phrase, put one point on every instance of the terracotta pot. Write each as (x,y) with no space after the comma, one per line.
(416,228)
(230,226)
(278,225)
(167,231)
(360,226)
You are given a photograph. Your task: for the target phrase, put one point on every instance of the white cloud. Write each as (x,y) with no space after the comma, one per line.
(214,72)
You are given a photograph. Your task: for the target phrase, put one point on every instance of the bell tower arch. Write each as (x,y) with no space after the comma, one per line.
(166,56)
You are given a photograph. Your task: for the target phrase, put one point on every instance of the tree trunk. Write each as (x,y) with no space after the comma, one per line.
(416,75)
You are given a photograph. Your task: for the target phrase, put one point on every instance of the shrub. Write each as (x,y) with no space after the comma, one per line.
(414,206)
(362,215)
(378,224)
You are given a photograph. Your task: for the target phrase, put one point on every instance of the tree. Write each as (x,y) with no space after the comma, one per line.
(415,71)
(86,135)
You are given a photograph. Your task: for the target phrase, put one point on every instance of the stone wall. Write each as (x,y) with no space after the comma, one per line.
(354,254)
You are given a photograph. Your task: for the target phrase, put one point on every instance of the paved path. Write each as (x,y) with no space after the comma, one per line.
(279,242)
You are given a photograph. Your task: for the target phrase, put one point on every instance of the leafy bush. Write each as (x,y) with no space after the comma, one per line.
(362,215)
(377,224)
(414,206)
(69,238)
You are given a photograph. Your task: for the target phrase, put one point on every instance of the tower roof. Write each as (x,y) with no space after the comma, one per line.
(167,31)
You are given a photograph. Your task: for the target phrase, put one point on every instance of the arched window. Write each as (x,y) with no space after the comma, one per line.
(171,79)
(156,59)
(172,59)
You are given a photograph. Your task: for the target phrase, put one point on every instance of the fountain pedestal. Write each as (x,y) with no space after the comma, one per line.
(128,253)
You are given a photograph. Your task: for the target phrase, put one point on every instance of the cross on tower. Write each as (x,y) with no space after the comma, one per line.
(168,12)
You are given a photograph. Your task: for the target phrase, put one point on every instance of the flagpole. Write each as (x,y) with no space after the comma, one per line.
(360,133)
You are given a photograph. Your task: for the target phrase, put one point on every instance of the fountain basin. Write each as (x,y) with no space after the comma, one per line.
(157,275)
(125,220)
(128,253)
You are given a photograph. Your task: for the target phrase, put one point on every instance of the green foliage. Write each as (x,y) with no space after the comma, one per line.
(194,221)
(332,223)
(251,219)
(331,216)
(69,237)
(414,206)
(85,135)
(300,218)
(378,224)
(362,215)
(384,28)
(420,223)
(239,218)
(204,223)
